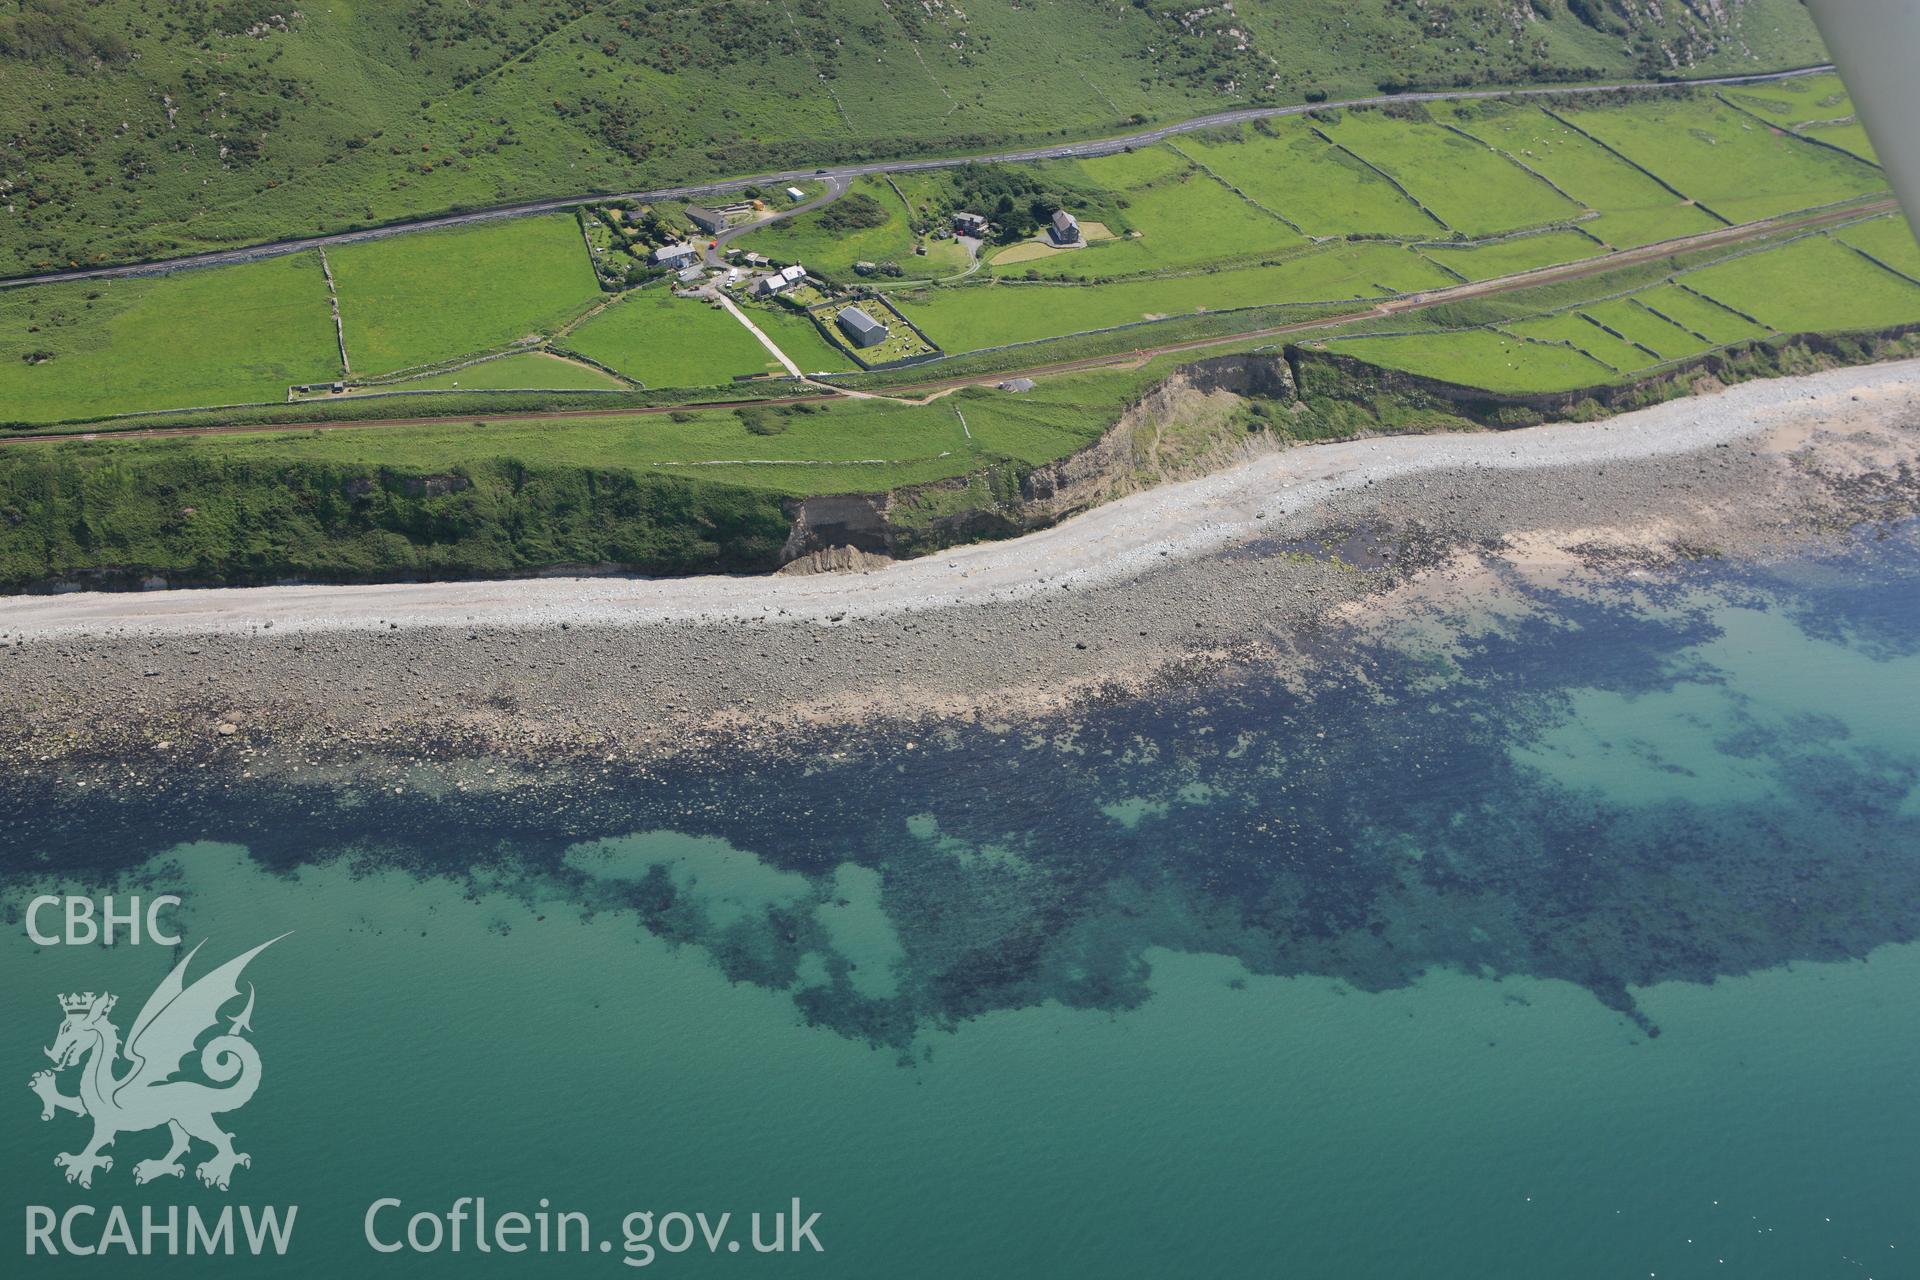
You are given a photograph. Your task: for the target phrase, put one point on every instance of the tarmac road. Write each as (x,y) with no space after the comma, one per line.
(838,175)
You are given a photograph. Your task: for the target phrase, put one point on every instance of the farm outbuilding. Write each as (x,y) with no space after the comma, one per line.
(711,221)
(862,330)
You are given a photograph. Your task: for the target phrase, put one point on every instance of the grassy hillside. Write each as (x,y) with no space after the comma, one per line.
(136,128)
(1216,230)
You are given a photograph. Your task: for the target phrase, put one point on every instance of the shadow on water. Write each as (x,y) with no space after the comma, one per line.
(1597,788)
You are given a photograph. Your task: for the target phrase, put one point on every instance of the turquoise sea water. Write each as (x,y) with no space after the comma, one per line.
(1571,937)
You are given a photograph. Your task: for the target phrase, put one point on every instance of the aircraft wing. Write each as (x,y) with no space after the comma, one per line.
(1876,45)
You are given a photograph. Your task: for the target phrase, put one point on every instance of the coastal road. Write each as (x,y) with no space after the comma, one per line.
(1718,238)
(842,174)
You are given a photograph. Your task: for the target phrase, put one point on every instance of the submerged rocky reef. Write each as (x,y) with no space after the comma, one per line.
(1594,780)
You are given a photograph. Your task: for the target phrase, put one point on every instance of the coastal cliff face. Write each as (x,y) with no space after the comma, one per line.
(1218,411)
(1322,371)
(1191,422)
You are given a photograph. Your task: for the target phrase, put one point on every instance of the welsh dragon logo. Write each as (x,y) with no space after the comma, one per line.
(146,1095)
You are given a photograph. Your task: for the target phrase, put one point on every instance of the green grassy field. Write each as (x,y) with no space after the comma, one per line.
(1804,285)
(230,335)
(1634,209)
(1890,239)
(529,370)
(970,317)
(664,341)
(1472,188)
(1479,358)
(1183,218)
(1736,166)
(1699,315)
(1816,107)
(415,299)
(1507,257)
(796,335)
(833,447)
(1626,316)
(666,493)
(1570,327)
(1283,166)
(1809,285)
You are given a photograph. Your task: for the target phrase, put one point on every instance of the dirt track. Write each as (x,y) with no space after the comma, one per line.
(1389,306)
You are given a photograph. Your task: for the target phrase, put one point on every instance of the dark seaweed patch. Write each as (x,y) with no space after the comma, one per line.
(1370,828)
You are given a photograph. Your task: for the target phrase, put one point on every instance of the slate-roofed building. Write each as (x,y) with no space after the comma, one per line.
(1066,227)
(782,280)
(711,221)
(862,330)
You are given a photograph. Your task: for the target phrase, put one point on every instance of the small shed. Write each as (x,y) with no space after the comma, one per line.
(795,193)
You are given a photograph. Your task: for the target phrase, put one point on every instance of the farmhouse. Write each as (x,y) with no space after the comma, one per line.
(780,281)
(861,329)
(1066,228)
(674,255)
(970,224)
(711,221)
